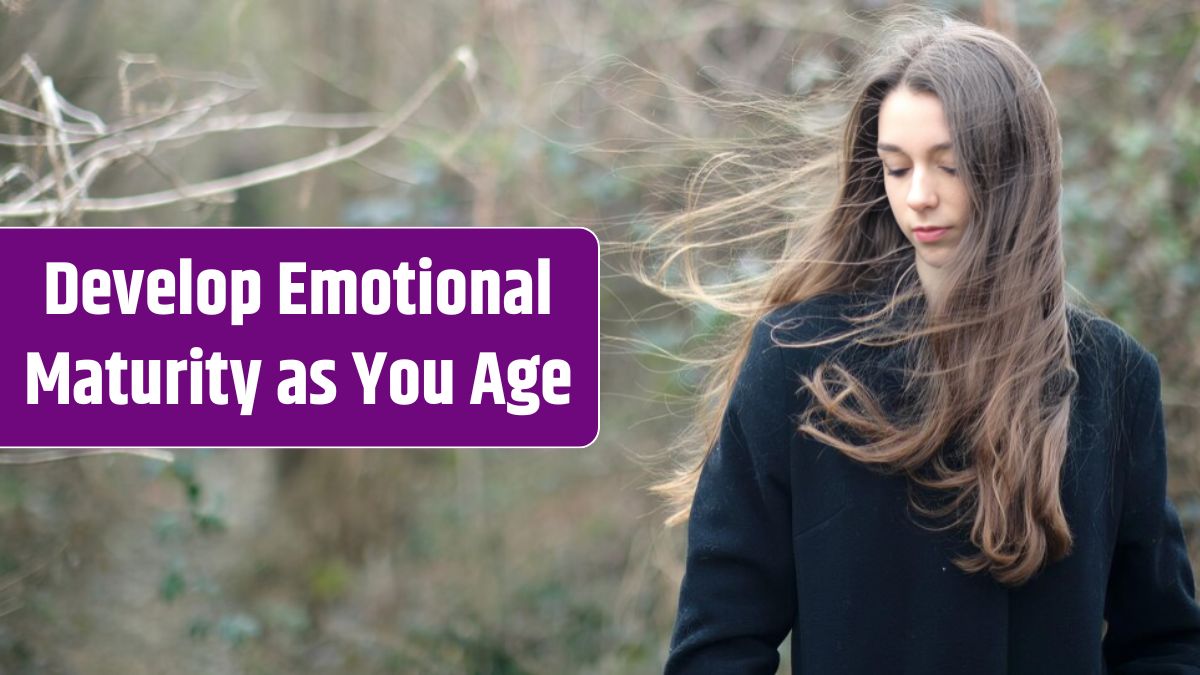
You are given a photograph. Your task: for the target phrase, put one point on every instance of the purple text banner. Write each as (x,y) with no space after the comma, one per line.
(299,337)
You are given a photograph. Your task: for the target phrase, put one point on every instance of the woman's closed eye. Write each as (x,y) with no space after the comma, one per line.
(900,172)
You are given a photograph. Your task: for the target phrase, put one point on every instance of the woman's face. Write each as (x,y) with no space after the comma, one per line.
(924,189)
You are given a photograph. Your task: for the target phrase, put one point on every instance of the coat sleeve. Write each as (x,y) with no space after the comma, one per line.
(1153,619)
(737,600)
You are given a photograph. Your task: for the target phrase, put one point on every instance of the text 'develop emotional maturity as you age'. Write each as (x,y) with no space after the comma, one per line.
(314,337)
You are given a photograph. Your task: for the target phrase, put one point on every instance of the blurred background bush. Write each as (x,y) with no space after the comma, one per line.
(492,561)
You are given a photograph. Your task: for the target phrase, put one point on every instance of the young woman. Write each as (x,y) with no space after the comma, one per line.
(919,457)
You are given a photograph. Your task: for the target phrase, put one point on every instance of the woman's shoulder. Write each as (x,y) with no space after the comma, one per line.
(1097,338)
(1110,357)
(799,335)
(812,318)
(777,353)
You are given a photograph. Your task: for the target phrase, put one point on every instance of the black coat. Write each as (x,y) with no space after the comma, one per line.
(788,534)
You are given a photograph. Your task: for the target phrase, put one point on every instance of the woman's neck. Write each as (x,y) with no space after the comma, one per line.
(931,282)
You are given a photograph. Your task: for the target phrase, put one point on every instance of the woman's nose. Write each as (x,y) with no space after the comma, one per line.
(921,192)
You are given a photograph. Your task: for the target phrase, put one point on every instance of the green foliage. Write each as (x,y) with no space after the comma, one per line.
(173,584)
(329,580)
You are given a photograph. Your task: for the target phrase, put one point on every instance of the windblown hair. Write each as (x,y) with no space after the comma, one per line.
(989,358)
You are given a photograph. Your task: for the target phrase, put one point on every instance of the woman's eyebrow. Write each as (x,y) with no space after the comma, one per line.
(888,147)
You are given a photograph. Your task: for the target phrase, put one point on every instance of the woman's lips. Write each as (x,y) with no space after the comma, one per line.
(926,235)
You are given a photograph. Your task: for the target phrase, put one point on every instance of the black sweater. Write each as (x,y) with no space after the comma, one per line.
(788,534)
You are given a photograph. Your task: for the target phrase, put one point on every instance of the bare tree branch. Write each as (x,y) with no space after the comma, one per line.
(139,138)
(43,456)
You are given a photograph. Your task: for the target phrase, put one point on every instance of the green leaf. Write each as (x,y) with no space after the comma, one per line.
(173,585)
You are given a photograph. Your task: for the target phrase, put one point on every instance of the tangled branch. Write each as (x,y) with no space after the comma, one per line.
(79,145)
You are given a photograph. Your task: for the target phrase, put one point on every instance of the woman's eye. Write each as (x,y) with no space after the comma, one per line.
(900,172)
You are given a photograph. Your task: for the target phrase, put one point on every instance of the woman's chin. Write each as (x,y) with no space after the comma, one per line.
(935,258)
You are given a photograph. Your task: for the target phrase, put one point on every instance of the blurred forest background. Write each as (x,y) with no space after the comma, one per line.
(479,561)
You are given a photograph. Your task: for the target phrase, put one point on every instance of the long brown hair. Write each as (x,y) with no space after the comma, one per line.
(990,363)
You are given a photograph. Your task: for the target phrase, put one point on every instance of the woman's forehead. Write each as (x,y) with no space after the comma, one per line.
(913,124)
